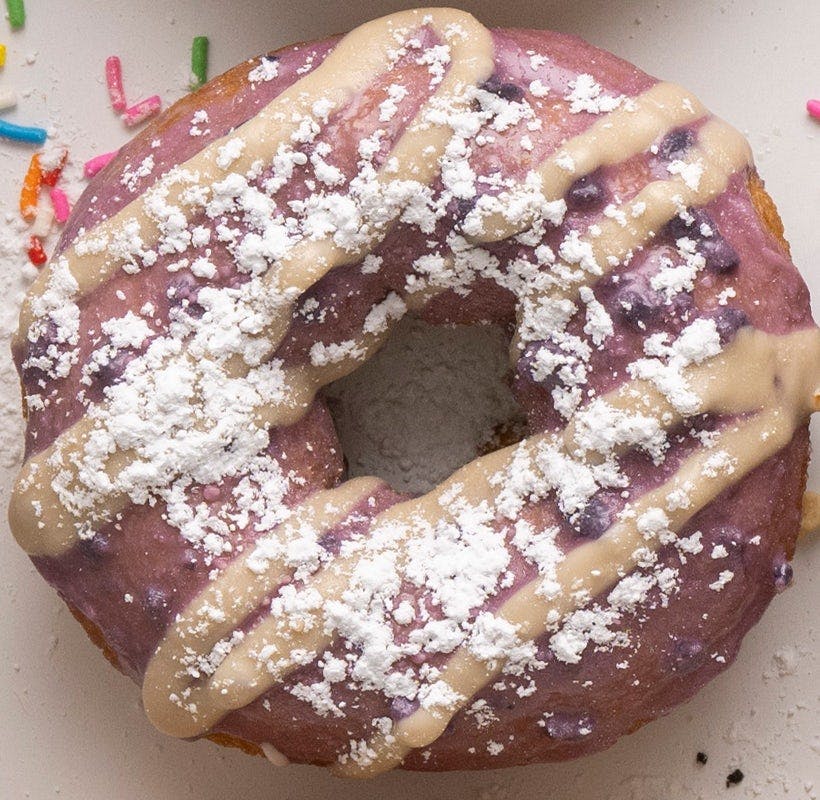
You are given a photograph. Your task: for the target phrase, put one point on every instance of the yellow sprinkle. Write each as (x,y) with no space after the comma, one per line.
(2,55)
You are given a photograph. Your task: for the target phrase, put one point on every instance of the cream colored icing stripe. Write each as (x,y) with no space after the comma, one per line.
(590,568)
(215,613)
(44,526)
(594,567)
(721,151)
(242,676)
(616,137)
(347,71)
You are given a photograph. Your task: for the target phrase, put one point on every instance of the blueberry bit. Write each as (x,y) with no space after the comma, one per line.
(676,143)
(639,305)
(728,321)
(182,292)
(598,515)
(112,372)
(97,547)
(506,91)
(701,758)
(401,707)
(719,255)
(734,778)
(462,207)
(689,228)
(586,193)
(686,653)
(783,574)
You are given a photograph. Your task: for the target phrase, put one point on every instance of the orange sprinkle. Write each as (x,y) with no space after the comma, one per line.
(31,188)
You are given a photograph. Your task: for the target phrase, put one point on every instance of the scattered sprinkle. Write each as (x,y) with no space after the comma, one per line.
(142,111)
(199,61)
(734,778)
(813,107)
(17,14)
(22,133)
(52,174)
(30,190)
(701,758)
(59,202)
(8,99)
(36,254)
(94,165)
(113,79)
(2,56)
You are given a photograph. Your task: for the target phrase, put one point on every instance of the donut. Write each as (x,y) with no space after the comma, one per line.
(184,489)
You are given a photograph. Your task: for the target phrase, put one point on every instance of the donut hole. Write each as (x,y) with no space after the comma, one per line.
(431,400)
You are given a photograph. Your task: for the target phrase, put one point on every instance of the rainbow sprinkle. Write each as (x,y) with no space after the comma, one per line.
(813,107)
(142,111)
(22,133)
(59,202)
(8,99)
(53,173)
(36,254)
(17,14)
(199,61)
(30,190)
(113,79)
(2,56)
(94,165)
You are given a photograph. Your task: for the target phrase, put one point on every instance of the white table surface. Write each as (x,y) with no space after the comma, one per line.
(72,728)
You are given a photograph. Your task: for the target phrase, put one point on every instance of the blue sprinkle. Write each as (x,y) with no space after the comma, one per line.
(21,133)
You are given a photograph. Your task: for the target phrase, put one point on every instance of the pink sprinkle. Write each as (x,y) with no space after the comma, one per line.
(141,111)
(60,203)
(94,165)
(813,107)
(113,77)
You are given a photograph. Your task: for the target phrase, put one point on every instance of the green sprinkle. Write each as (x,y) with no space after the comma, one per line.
(199,61)
(17,14)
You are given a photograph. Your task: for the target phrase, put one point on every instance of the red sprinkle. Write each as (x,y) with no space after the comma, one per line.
(142,111)
(94,165)
(51,177)
(36,254)
(59,202)
(113,79)
(813,107)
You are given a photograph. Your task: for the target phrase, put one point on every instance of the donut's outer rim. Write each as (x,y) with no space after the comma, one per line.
(764,206)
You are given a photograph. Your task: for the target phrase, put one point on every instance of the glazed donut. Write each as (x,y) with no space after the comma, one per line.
(184,489)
